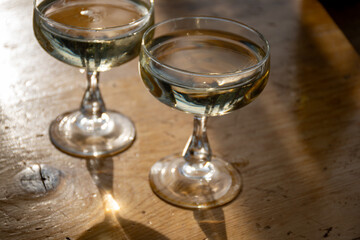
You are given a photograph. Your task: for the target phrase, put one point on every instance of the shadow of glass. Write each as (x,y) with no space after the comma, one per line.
(212,223)
(113,227)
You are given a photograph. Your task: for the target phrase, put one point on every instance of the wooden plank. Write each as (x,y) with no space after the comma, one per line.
(297,145)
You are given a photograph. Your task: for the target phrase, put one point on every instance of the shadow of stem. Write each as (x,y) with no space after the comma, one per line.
(212,223)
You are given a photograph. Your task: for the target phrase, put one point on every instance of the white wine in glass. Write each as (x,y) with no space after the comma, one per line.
(95,35)
(205,66)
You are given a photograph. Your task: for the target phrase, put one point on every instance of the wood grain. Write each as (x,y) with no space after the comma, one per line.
(297,145)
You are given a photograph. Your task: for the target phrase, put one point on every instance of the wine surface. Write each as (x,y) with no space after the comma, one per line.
(204,72)
(89,35)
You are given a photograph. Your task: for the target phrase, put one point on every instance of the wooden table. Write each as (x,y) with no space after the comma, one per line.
(297,146)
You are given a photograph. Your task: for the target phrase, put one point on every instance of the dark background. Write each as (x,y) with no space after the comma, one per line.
(346,15)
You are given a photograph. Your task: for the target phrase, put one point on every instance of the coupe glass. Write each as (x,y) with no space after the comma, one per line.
(205,66)
(95,35)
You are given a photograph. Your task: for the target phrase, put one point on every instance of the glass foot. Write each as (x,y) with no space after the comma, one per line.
(177,183)
(81,136)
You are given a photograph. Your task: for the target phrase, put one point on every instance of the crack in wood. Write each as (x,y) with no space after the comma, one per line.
(43,179)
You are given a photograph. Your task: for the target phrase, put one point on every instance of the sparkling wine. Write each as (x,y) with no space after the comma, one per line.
(179,74)
(89,35)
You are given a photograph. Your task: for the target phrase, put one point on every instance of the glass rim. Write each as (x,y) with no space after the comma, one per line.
(113,28)
(229,74)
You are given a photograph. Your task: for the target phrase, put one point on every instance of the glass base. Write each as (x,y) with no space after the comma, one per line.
(178,183)
(81,136)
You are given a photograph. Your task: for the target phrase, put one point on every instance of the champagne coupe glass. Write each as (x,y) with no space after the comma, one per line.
(95,35)
(205,66)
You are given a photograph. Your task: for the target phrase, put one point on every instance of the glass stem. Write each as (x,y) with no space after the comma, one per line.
(92,104)
(197,151)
